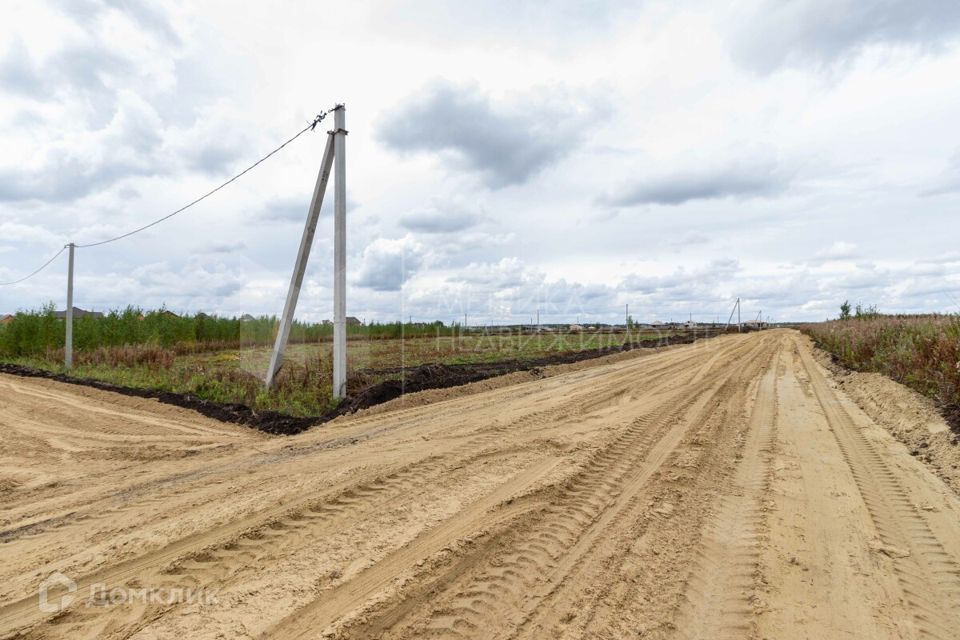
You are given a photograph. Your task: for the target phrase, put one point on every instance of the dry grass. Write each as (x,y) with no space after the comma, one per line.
(922,352)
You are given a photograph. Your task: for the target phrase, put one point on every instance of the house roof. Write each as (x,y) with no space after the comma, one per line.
(78,313)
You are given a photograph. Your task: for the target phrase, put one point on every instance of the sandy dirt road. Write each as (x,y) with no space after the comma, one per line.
(726,489)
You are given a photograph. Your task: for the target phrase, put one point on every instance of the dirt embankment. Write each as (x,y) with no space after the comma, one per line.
(267,421)
(412,380)
(913,419)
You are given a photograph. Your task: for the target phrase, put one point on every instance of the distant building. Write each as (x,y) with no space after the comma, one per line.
(7,319)
(247,318)
(576,327)
(78,313)
(353,322)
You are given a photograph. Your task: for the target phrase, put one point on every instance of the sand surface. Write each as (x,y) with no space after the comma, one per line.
(726,489)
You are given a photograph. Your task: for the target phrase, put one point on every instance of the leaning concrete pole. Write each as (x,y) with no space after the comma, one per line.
(68,314)
(296,281)
(340,256)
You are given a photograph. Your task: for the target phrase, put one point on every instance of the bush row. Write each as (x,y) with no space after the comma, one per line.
(36,333)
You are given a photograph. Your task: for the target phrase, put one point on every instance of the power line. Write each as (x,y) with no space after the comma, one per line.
(44,266)
(309,127)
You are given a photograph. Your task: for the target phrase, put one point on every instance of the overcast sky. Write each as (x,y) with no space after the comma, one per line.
(502,157)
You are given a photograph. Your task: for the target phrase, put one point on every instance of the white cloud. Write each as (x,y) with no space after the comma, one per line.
(737,179)
(506,142)
(822,32)
(949,180)
(839,250)
(386,264)
(572,157)
(442,217)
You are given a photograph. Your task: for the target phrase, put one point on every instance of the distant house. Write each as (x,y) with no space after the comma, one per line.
(353,322)
(247,318)
(576,327)
(78,313)
(7,319)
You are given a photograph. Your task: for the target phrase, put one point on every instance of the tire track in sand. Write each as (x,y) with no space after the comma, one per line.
(222,555)
(929,576)
(533,558)
(721,594)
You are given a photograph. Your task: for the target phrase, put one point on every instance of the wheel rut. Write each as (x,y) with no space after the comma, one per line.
(515,575)
(929,576)
(721,596)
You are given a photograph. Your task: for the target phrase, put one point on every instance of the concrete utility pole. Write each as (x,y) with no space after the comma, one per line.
(300,266)
(68,314)
(736,308)
(340,256)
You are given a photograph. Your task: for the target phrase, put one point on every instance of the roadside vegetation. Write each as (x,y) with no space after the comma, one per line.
(33,333)
(921,352)
(224,359)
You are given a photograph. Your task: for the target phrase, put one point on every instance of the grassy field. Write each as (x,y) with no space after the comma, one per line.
(234,374)
(922,352)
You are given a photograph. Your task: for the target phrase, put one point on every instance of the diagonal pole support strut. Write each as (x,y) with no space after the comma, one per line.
(300,267)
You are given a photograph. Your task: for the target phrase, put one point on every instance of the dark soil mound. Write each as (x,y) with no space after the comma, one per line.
(428,376)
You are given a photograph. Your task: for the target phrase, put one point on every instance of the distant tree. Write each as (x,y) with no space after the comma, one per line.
(845,310)
(866,313)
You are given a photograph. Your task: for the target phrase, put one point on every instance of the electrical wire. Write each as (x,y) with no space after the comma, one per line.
(44,266)
(309,127)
